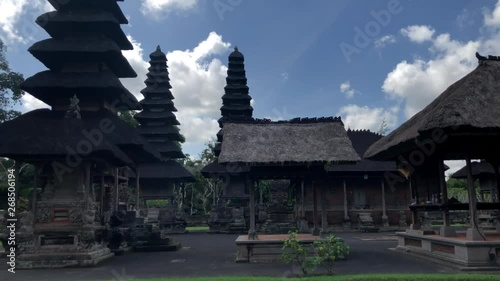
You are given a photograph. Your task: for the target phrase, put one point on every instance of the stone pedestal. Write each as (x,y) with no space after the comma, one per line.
(365,223)
(385,221)
(475,234)
(172,221)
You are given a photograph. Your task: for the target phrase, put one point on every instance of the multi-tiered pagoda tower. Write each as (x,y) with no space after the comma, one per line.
(236,107)
(159,126)
(79,137)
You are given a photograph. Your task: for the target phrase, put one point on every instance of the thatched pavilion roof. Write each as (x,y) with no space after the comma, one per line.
(299,141)
(361,140)
(478,168)
(471,103)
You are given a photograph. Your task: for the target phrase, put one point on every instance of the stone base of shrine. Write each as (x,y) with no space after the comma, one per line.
(267,248)
(63,259)
(456,251)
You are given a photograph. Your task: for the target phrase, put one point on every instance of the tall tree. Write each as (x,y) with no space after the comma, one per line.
(10,91)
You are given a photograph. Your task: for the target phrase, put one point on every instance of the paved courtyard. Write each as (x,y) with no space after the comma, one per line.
(214,255)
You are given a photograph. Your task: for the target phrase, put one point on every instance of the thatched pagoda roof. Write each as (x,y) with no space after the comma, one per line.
(55,53)
(52,87)
(169,170)
(59,25)
(361,140)
(46,134)
(299,141)
(478,168)
(107,5)
(469,104)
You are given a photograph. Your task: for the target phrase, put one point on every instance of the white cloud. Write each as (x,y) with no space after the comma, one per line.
(284,76)
(420,81)
(17,19)
(347,89)
(160,8)
(363,117)
(454,165)
(492,18)
(384,41)
(197,81)
(29,103)
(418,33)
(464,19)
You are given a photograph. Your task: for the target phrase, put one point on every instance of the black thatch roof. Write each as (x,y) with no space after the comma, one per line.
(361,140)
(44,133)
(299,141)
(216,170)
(471,103)
(60,25)
(169,170)
(54,53)
(107,5)
(55,87)
(478,168)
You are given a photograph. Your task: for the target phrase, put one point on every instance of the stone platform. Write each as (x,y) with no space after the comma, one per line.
(267,248)
(63,259)
(457,251)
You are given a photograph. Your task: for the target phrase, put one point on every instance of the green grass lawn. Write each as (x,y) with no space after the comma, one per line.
(197,228)
(365,277)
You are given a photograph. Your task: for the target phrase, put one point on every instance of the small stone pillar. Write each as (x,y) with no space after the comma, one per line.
(324,217)
(473,233)
(315,230)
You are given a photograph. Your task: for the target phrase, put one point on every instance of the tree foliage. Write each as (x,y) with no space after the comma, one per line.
(128,116)
(10,88)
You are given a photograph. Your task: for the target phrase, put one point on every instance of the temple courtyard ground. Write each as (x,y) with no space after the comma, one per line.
(206,255)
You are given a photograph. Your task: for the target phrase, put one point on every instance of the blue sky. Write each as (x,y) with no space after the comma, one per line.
(297,54)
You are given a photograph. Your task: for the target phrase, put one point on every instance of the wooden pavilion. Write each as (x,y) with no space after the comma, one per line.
(298,149)
(461,123)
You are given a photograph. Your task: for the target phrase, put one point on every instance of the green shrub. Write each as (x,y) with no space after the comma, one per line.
(330,250)
(295,253)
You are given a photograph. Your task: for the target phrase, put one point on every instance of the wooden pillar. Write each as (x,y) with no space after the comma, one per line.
(315,230)
(346,213)
(473,233)
(252,234)
(385,219)
(116,190)
(302,199)
(87,182)
(137,188)
(103,192)
(324,217)
(34,198)
(261,193)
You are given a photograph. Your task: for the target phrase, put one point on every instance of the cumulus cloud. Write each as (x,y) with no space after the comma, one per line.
(384,41)
(197,79)
(418,33)
(160,8)
(363,117)
(492,18)
(17,19)
(420,81)
(346,89)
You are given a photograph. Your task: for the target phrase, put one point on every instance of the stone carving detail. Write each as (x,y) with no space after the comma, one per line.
(74,109)
(280,211)
(25,236)
(43,212)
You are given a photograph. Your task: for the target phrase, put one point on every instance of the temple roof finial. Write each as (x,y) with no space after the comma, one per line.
(158,49)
